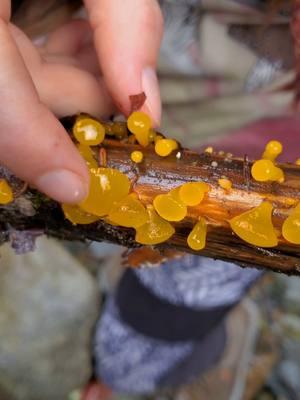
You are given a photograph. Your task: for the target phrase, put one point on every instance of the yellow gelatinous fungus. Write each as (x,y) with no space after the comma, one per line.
(164,147)
(157,138)
(280,175)
(197,237)
(297,162)
(192,193)
(209,150)
(291,226)
(152,135)
(156,230)
(225,183)
(169,206)
(128,212)
(77,216)
(272,150)
(137,156)
(107,185)
(265,170)
(88,131)
(139,124)
(6,194)
(255,226)
(87,154)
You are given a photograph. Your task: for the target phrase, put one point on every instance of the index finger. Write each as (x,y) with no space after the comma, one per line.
(127,39)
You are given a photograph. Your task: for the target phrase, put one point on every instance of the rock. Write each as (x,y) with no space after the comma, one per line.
(48,307)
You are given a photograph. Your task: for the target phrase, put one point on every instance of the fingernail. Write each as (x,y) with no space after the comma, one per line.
(151,89)
(63,185)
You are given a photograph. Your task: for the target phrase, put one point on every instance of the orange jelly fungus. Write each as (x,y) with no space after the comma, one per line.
(164,147)
(255,226)
(152,135)
(272,150)
(140,124)
(77,216)
(209,150)
(137,156)
(197,237)
(6,194)
(192,193)
(169,206)
(297,162)
(225,183)
(88,131)
(157,138)
(265,170)
(291,226)
(87,154)
(128,212)
(107,186)
(156,230)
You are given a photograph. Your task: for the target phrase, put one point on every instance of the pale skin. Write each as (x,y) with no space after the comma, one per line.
(84,66)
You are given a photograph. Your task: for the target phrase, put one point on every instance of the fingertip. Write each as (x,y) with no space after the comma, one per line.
(63,185)
(152,105)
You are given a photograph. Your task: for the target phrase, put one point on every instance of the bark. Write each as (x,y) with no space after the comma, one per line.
(34,213)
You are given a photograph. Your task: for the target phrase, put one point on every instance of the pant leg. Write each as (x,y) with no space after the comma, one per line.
(165,325)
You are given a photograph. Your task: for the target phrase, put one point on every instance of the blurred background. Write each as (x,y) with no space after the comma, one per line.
(52,298)
(221,68)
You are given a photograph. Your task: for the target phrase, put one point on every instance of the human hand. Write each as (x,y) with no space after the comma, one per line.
(63,78)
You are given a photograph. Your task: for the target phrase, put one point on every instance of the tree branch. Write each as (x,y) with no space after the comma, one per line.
(31,211)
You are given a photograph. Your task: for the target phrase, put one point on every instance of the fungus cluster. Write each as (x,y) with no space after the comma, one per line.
(112,199)
(265,170)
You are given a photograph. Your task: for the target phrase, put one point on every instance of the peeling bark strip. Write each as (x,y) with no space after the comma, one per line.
(137,101)
(157,175)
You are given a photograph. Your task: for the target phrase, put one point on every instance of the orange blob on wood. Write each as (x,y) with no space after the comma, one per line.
(255,226)
(272,150)
(170,207)
(107,185)
(192,193)
(6,194)
(140,124)
(77,216)
(89,131)
(137,156)
(291,226)
(225,183)
(128,212)
(164,147)
(266,170)
(197,238)
(156,230)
